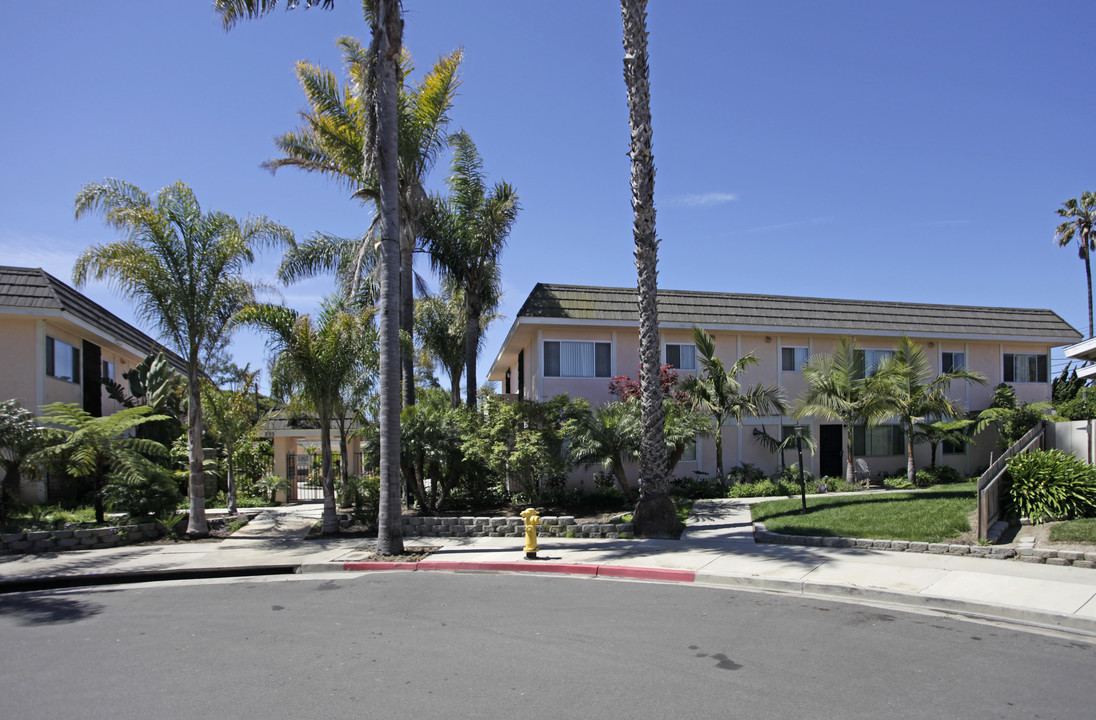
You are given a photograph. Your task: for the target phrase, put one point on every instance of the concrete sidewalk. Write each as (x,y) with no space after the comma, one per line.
(717,549)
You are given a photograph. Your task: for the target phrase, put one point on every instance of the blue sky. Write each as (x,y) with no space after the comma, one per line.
(841,149)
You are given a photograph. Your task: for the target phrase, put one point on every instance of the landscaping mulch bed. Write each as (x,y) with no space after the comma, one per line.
(411,553)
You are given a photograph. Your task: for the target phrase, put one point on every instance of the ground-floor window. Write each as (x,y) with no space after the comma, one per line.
(878,441)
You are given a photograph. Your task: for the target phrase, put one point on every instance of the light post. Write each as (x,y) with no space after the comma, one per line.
(802,482)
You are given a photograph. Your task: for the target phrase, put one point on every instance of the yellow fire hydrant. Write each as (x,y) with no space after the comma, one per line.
(531,522)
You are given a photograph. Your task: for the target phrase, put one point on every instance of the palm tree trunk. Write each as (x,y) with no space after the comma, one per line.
(850,475)
(1088,277)
(388,33)
(330,518)
(454,387)
(471,348)
(654,514)
(910,471)
(407,320)
(719,454)
(196,525)
(344,464)
(622,479)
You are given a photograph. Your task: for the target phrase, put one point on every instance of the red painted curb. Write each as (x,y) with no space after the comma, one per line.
(641,573)
(612,571)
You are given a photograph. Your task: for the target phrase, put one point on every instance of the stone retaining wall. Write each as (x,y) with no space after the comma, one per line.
(994,552)
(40,541)
(562,526)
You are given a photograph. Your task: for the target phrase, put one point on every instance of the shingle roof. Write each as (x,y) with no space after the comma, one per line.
(774,312)
(35,289)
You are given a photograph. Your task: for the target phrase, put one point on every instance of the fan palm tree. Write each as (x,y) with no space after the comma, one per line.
(719,392)
(1080,215)
(320,356)
(183,269)
(839,389)
(465,234)
(102,447)
(333,139)
(655,514)
(919,395)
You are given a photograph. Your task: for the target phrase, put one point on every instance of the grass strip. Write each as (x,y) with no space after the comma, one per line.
(928,516)
(1082,530)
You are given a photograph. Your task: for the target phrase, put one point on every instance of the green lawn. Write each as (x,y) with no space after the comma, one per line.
(928,516)
(1074,531)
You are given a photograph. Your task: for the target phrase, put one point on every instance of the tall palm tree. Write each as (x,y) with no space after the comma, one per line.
(320,356)
(719,392)
(839,389)
(382,154)
(465,234)
(183,269)
(919,395)
(332,140)
(655,514)
(1080,215)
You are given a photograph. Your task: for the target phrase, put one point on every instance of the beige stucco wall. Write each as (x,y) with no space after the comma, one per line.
(18,360)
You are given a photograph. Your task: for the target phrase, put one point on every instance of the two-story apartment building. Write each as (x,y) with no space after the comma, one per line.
(572,339)
(56,344)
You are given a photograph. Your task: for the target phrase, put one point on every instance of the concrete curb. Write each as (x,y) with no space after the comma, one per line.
(967,608)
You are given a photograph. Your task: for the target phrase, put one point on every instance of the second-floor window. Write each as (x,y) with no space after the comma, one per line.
(953,362)
(682,357)
(1021,367)
(792,358)
(62,360)
(563,358)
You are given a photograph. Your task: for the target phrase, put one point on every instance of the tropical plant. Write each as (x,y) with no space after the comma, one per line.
(953,432)
(102,449)
(839,388)
(607,435)
(1066,386)
(716,390)
(183,269)
(441,328)
(1079,216)
(231,416)
(465,234)
(20,437)
(382,153)
(655,515)
(333,140)
(1011,418)
(430,435)
(316,357)
(1049,484)
(779,446)
(919,396)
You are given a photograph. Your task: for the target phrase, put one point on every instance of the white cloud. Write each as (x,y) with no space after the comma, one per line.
(702,199)
(797,223)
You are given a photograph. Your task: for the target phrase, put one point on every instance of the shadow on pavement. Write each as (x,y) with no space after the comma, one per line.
(46,609)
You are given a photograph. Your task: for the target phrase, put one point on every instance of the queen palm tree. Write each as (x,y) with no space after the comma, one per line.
(655,514)
(441,328)
(719,392)
(1080,215)
(382,154)
(919,396)
(231,415)
(320,356)
(465,234)
(839,389)
(332,141)
(183,269)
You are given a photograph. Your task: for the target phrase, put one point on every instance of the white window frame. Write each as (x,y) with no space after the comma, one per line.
(954,366)
(800,355)
(666,355)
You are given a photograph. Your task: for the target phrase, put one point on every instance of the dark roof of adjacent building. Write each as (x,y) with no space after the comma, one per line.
(769,312)
(34,289)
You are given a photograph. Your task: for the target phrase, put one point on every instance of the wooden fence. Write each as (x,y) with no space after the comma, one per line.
(989,484)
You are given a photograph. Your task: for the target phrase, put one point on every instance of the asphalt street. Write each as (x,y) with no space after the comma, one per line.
(388,645)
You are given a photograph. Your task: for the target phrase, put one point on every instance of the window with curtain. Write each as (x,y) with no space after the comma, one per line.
(1024,367)
(563,358)
(681,356)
